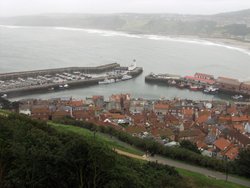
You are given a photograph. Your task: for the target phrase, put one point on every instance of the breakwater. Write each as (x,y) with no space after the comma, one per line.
(51,80)
(86,70)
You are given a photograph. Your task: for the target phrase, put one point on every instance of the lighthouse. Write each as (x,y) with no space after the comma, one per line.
(132,66)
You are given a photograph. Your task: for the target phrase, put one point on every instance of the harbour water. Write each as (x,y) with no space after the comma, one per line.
(31,48)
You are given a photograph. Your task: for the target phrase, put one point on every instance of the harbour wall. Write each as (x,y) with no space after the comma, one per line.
(45,88)
(86,70)
(164,81)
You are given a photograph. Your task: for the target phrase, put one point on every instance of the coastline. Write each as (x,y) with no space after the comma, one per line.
(235,44)
(229,42)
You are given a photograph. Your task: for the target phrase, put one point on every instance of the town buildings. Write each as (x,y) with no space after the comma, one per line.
(218,128)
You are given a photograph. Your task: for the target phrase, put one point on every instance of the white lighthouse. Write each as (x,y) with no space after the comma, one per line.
(132,66)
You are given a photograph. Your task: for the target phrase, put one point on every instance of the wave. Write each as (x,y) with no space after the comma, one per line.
(108,33)
(196,41)
(105,33)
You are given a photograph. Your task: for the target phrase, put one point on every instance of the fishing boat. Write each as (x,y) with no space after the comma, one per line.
(194,88)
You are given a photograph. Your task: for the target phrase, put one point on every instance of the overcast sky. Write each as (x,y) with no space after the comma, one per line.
(26,7)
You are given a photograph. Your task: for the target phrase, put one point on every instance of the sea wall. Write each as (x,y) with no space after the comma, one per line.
(86,70)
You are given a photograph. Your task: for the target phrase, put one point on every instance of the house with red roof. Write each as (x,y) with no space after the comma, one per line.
(240,119)
(167,133)
(239,127)
(193,135)
(188,113)
(238,139)
(61,113)
(232,152)
(161,108)
(221,144)
(201,78)
(171,120)
(41,113)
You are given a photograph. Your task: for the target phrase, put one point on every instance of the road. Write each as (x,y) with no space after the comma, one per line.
(204,171)
(178,164)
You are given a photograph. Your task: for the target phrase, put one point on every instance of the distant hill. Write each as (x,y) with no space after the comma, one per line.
(234,25)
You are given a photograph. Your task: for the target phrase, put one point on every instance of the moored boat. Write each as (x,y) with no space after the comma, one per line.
(211,90)
(126,77)
(106,81)
(51,89)
(4,96)
(237,97)
(181,85)
(194,88)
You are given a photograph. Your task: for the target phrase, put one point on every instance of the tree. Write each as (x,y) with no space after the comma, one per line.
(190,146)
(243,162)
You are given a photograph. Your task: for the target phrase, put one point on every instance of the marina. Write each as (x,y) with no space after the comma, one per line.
(52,80)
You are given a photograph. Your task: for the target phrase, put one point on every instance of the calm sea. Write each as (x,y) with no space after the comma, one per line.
(30,48)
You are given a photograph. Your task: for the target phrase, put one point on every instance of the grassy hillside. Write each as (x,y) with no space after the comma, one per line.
(194,179)
(33,154)
(105,139)
(200,180)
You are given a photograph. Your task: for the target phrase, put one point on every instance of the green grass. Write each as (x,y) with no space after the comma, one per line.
(100,137)
(200,180)
(4,112)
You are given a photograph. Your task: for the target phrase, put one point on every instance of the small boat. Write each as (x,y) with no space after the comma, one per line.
(173,82)
(65,85)
(194,88)
(211,90)
(181,86)
(4,96)
(51,89)
(118,80)
(237,97)
(126,77)
(107,81)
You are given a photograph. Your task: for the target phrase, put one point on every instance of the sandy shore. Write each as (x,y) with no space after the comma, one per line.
(221,41)
(230,42)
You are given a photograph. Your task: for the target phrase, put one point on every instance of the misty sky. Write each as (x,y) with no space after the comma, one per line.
(26,7)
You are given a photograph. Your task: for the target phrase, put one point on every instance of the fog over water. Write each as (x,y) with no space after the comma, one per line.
(28,7)
(29,48)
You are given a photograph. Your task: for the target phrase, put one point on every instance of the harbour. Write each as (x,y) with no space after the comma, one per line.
(51,80)
(90,49)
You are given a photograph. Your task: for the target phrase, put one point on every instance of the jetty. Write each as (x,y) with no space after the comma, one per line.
(203,82)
